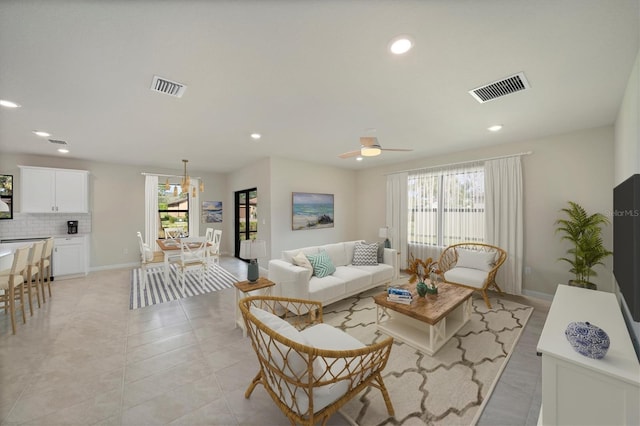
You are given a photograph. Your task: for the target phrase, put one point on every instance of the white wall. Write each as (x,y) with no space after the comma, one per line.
(289,176)
(627,146)
(576,166)
(116,202)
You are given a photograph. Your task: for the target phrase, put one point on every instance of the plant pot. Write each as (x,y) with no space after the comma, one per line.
(432,290)
(422,289)
(583,284)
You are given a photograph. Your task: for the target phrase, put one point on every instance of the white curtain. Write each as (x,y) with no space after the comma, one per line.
(504,218)
(151,219)
(194,208)
(445,206)
(397,214)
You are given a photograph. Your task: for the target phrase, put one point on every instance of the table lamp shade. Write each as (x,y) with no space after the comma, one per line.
(252,250)
(384,233)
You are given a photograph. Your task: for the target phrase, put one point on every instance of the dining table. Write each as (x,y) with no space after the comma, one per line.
(171,248)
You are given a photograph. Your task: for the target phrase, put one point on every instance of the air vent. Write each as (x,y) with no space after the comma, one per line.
(497,89)
(168,87)
(57,142)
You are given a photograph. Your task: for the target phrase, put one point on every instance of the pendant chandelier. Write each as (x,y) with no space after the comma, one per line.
(185,183)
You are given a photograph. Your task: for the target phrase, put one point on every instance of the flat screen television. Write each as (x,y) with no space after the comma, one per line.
(626,242)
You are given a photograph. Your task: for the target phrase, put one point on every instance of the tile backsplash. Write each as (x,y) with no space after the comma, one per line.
(42,224)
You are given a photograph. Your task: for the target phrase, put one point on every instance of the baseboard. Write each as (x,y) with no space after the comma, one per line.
(538,295)
(117,266)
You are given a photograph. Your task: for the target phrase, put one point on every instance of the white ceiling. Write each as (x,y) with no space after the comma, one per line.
(311,76)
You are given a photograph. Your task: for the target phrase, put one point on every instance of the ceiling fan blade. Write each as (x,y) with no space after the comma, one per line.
(396,149)
(350,154)
(369,141)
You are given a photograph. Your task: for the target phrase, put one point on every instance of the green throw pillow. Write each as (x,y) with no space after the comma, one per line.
(322,264)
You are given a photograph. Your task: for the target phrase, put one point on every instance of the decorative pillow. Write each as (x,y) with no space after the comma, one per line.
(301,260)
(381,252)
(474,259)
(365,254)
(321,263)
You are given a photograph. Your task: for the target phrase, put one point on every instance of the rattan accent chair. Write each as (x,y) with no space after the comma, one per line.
(472,265)
(310,369)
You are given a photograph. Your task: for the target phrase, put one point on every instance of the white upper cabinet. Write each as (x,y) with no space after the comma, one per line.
(45,190)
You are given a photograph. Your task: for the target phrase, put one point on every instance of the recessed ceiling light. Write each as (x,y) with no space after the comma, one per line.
(8,104)
(401,45)
(40,133)
(255,136)
(63,151)
(358,158)
(495,128)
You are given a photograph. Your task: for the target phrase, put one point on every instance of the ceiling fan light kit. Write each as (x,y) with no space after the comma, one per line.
(369,147)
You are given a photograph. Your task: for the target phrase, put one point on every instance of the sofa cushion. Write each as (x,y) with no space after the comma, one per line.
(354,278)
(289,254)
(322,264)
(475,259)
(379,273)
(467,276)
(301,259)
(336,253)
(365,254)
(326,288)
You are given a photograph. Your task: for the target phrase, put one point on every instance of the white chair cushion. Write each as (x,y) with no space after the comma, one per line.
(482,260)
(295,365)
(467,276)
(327,337)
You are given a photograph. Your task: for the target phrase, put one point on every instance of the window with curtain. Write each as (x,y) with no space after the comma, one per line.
(173,209)
(446,206)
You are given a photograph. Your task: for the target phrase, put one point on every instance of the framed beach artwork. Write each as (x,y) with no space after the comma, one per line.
(211,212)
(311,211)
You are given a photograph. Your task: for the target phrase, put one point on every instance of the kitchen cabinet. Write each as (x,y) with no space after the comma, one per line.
(46,190)
(70,256)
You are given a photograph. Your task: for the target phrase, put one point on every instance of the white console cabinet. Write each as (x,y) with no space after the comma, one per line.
(46,190)
(577,390)
(70,256)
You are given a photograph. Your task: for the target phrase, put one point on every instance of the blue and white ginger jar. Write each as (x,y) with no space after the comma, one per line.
(588,339)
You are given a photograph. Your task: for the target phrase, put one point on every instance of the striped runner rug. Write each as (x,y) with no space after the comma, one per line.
(157,291)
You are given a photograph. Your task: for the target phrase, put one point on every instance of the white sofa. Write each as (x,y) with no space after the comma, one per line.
(298,282)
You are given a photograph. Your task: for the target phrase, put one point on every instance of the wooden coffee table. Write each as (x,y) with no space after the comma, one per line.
(428,322)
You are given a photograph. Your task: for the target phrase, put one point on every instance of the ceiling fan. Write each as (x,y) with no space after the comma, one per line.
(370,147)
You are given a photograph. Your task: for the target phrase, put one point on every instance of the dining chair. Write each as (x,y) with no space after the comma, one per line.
(148,258)
(33,271)
(193,254)
(172,233)
(12,285)
(45,267)
(213,238)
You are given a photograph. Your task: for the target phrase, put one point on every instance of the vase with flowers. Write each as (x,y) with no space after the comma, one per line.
(426,273)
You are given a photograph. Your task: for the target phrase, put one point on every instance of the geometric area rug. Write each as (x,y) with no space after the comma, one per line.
(216,278)
(449,388)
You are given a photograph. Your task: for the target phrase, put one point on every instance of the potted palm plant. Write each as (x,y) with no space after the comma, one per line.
(584,232)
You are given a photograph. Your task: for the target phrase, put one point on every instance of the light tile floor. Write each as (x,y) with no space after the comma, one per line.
(84,358)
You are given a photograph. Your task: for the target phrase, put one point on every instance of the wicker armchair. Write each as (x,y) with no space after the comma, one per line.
(309,369)
(472,265)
